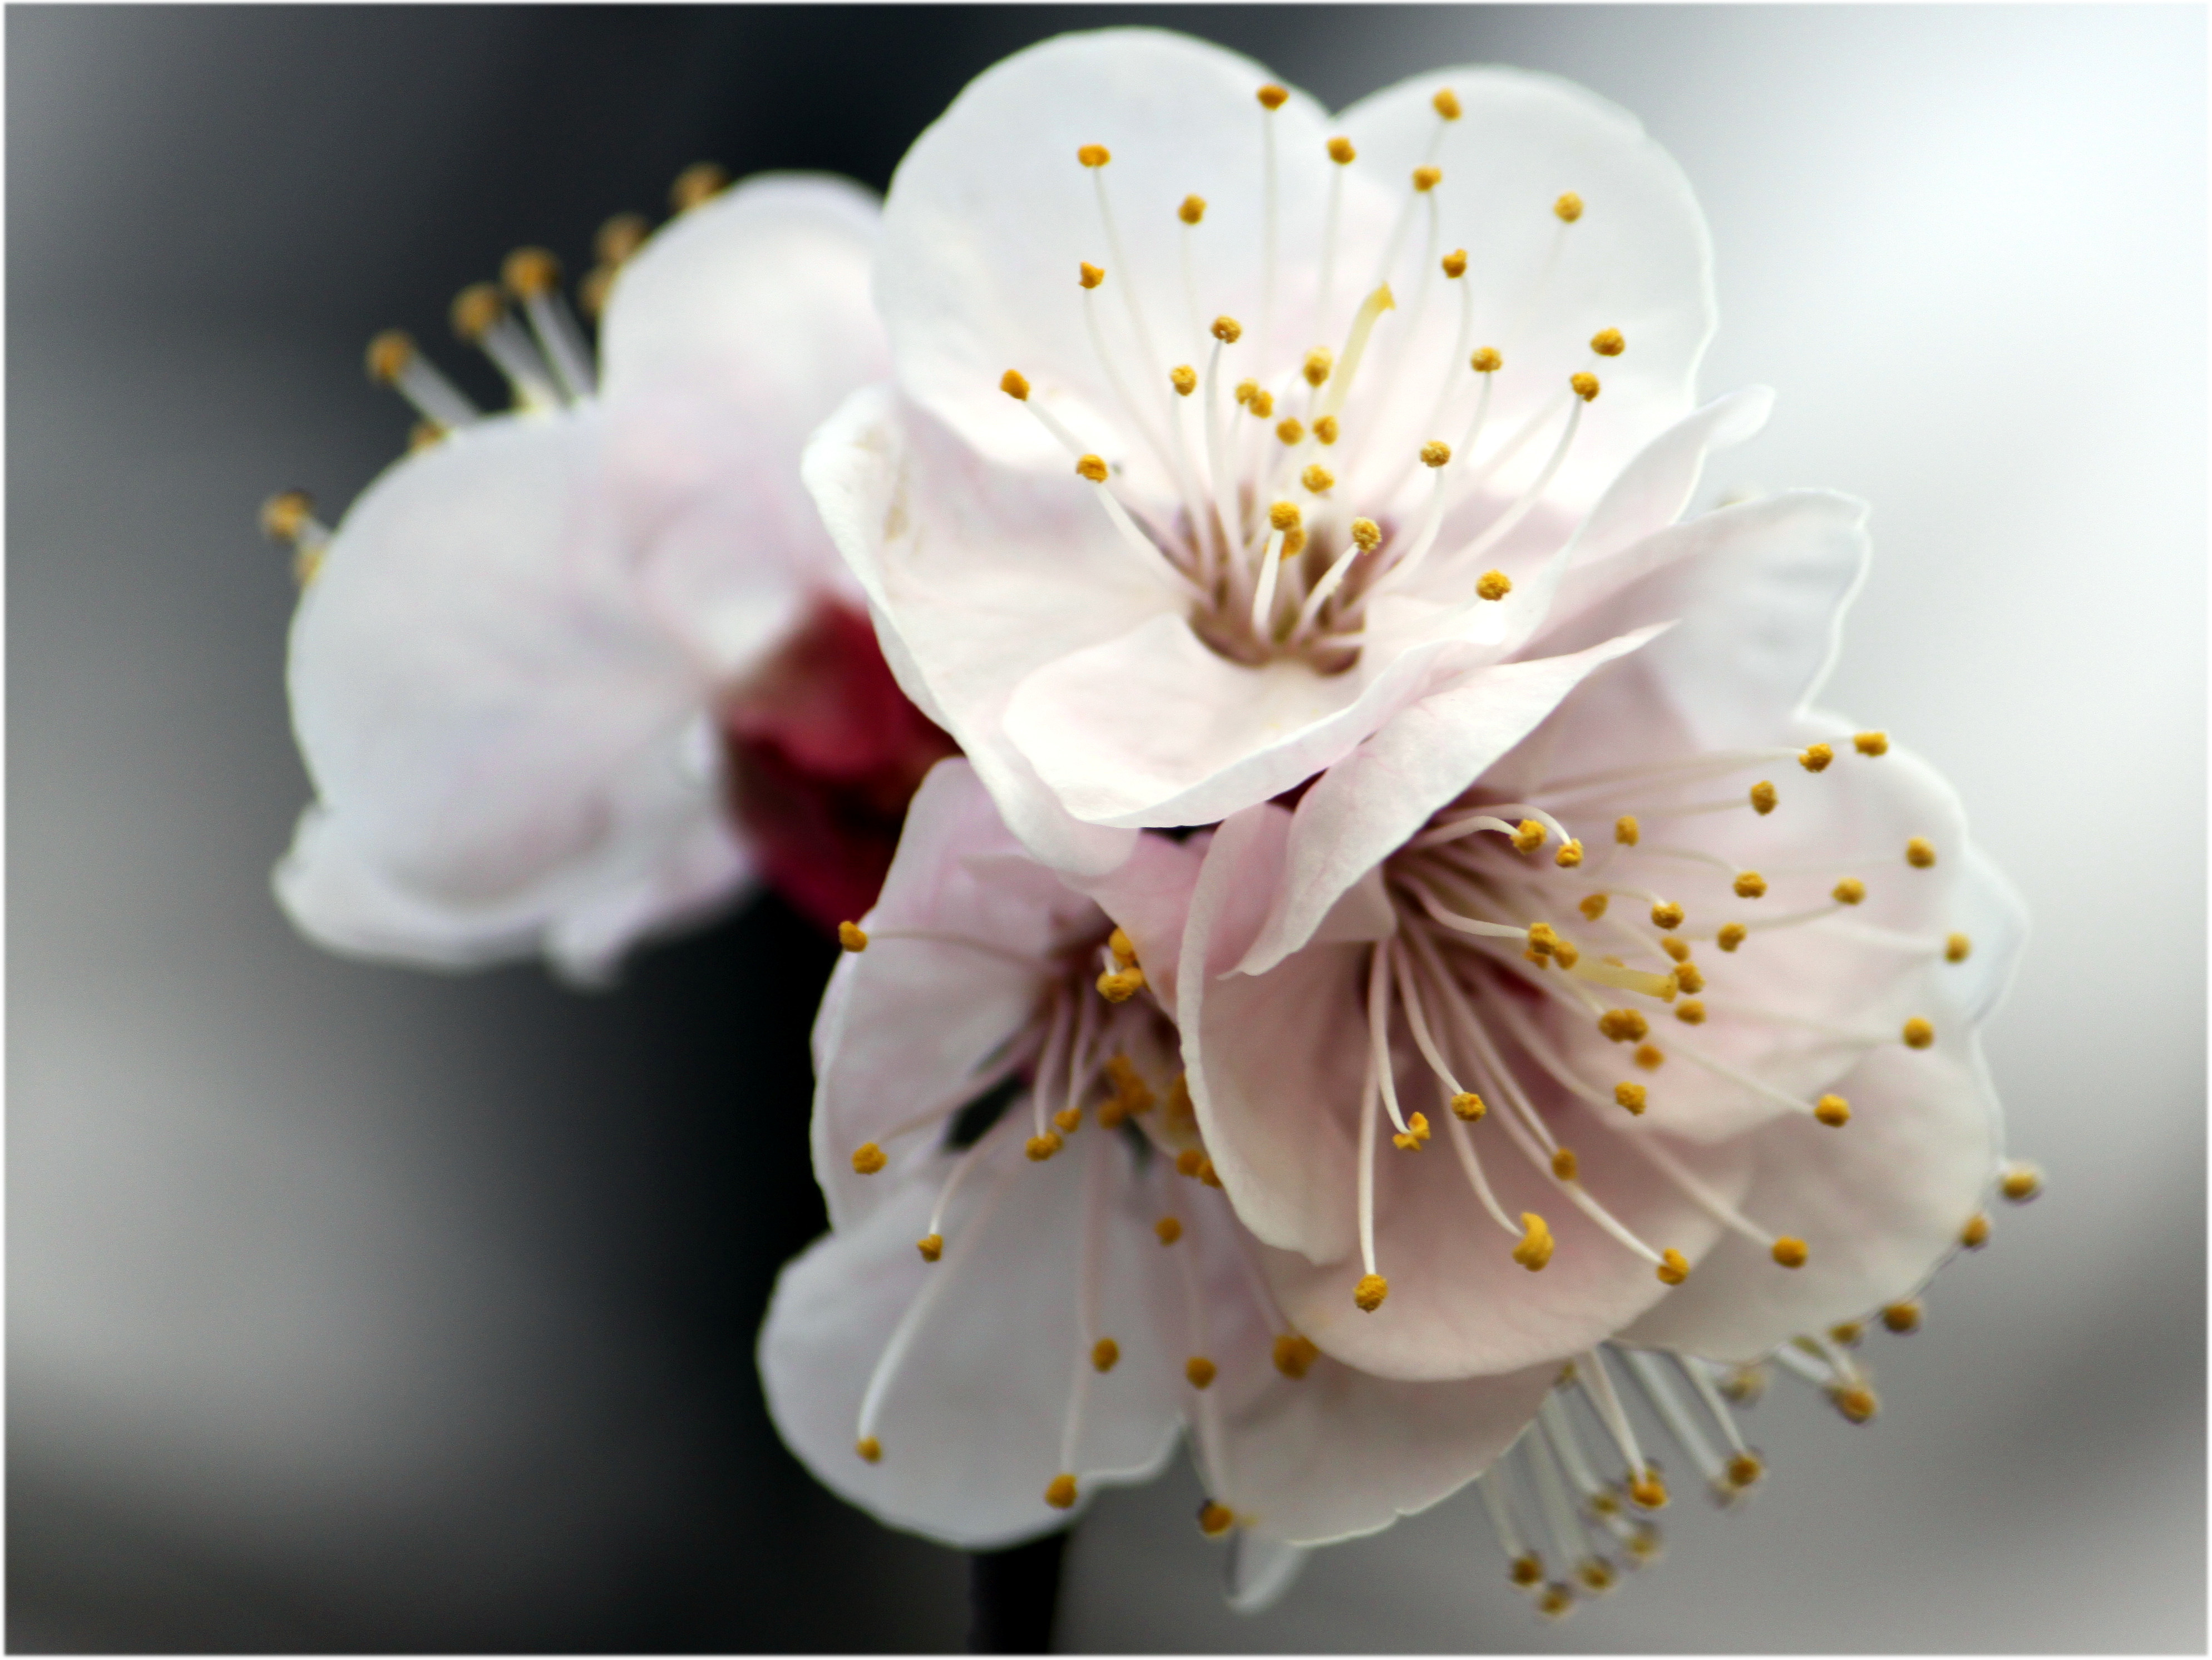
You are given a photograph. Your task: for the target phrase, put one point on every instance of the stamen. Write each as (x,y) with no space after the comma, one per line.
(1568,208)
(868,1159)
(1355,348)
(699,183)
(1919,853)
(1295,1353)
(532,275)
(1976,1233)
(1871,743)
(1525,1569)
(1378,1034)
(1919,1034)
(2020,1182)
(1535,1248)
(1814,757)
(1956,948)
(394,362)
(479,317)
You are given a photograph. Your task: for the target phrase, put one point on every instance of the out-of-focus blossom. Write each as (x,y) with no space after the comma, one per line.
(1225,433)
(542,654)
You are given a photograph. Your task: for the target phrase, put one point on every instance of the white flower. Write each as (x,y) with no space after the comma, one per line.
(509,667)
(1132,602)
(1689,985)
(1011,1310)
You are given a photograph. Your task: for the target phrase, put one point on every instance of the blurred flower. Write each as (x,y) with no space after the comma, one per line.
(540,653)
(1714,1153)
(1031,1283)
(1224,434)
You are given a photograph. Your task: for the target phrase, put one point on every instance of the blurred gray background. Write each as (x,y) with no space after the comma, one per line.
(353,1308)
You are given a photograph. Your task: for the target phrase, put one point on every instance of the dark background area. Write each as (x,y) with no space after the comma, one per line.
(355,1308)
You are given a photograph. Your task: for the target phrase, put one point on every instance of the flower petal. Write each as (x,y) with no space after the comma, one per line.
(972,1417)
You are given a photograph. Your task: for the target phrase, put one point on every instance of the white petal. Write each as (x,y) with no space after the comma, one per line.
(1653,489)
(971,1423)
(1259,1570)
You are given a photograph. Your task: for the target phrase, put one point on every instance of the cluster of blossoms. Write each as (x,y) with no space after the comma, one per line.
(1389,980)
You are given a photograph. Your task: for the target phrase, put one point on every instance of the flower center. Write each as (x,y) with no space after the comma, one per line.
(1286,505)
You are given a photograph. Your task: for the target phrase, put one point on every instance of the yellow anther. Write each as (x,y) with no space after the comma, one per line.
(1455,264)
(1871,743)
(1326,429)
(1650,1057)
(1674,1267)
(1688,977)
(1565,953)
(1493,585)
(1129,1086)
(1317,478)
(1918,1033)
(1849,891)
(1068,1120)
(1366,535)
(1536,1244)
(1593,906)
(284,516)
(1295,1353)
(389,354)
(1750,885)
(1094,155)
(1244,391)
(698,182)
(1261,403)
(1689,1012)
(870,1448)
(1059,1492)
(1856,1402)
(1168,1229)
(2020,1182)
(1294,544)
(1042,1148)
(1647,1491)
(1427,179)
(1814,757)
(1920,852)
(1902,1317)
(1113,1114)
(868,1159)
(1832,1111)
(1744,1469)
(477,310)
(1183,379)
(1529,836)
(621,237)
(1273,97)
(1569,206)
(1633,1096)
(1731,935)
(1189,1160)
(1092,467)
(1370,1291)
(529,273)
(1446,103)
(1468,1105)
(1228,331)
(1014,385)
(422,434)
(1763,798)
(1436,454)
(1626,831)
(1488,359)
(1199,1370)
(1191,211)
(1528,1569)
(1957,948)
(1596,1573)
(1103,1354)
(1119,985)
(1564,1166)
(1088,275)
(1215,1519)
(1290,430)
(1789,1252)
(1569,855)
(931,1245)
(1976,1233)
(1585,385)
(1667,914)
(1125,952)
(1538,957)
(1207,1174)
(1678,949)
(1607,343)
(852,936)
(1624,1025)
(1341,152)
(1541,939)
(1285,515)
(1847,1333)
(1745,1384)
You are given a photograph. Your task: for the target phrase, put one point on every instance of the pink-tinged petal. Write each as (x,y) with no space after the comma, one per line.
(1334,1453)
(1371,803)
(908,1025)
(1264,1057)
(1149,898)
(1878,1203)
(498,727)
(1459,1304)
(976,579)
(1653,491)
(990,214)
(972,1419)
(1638,259)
